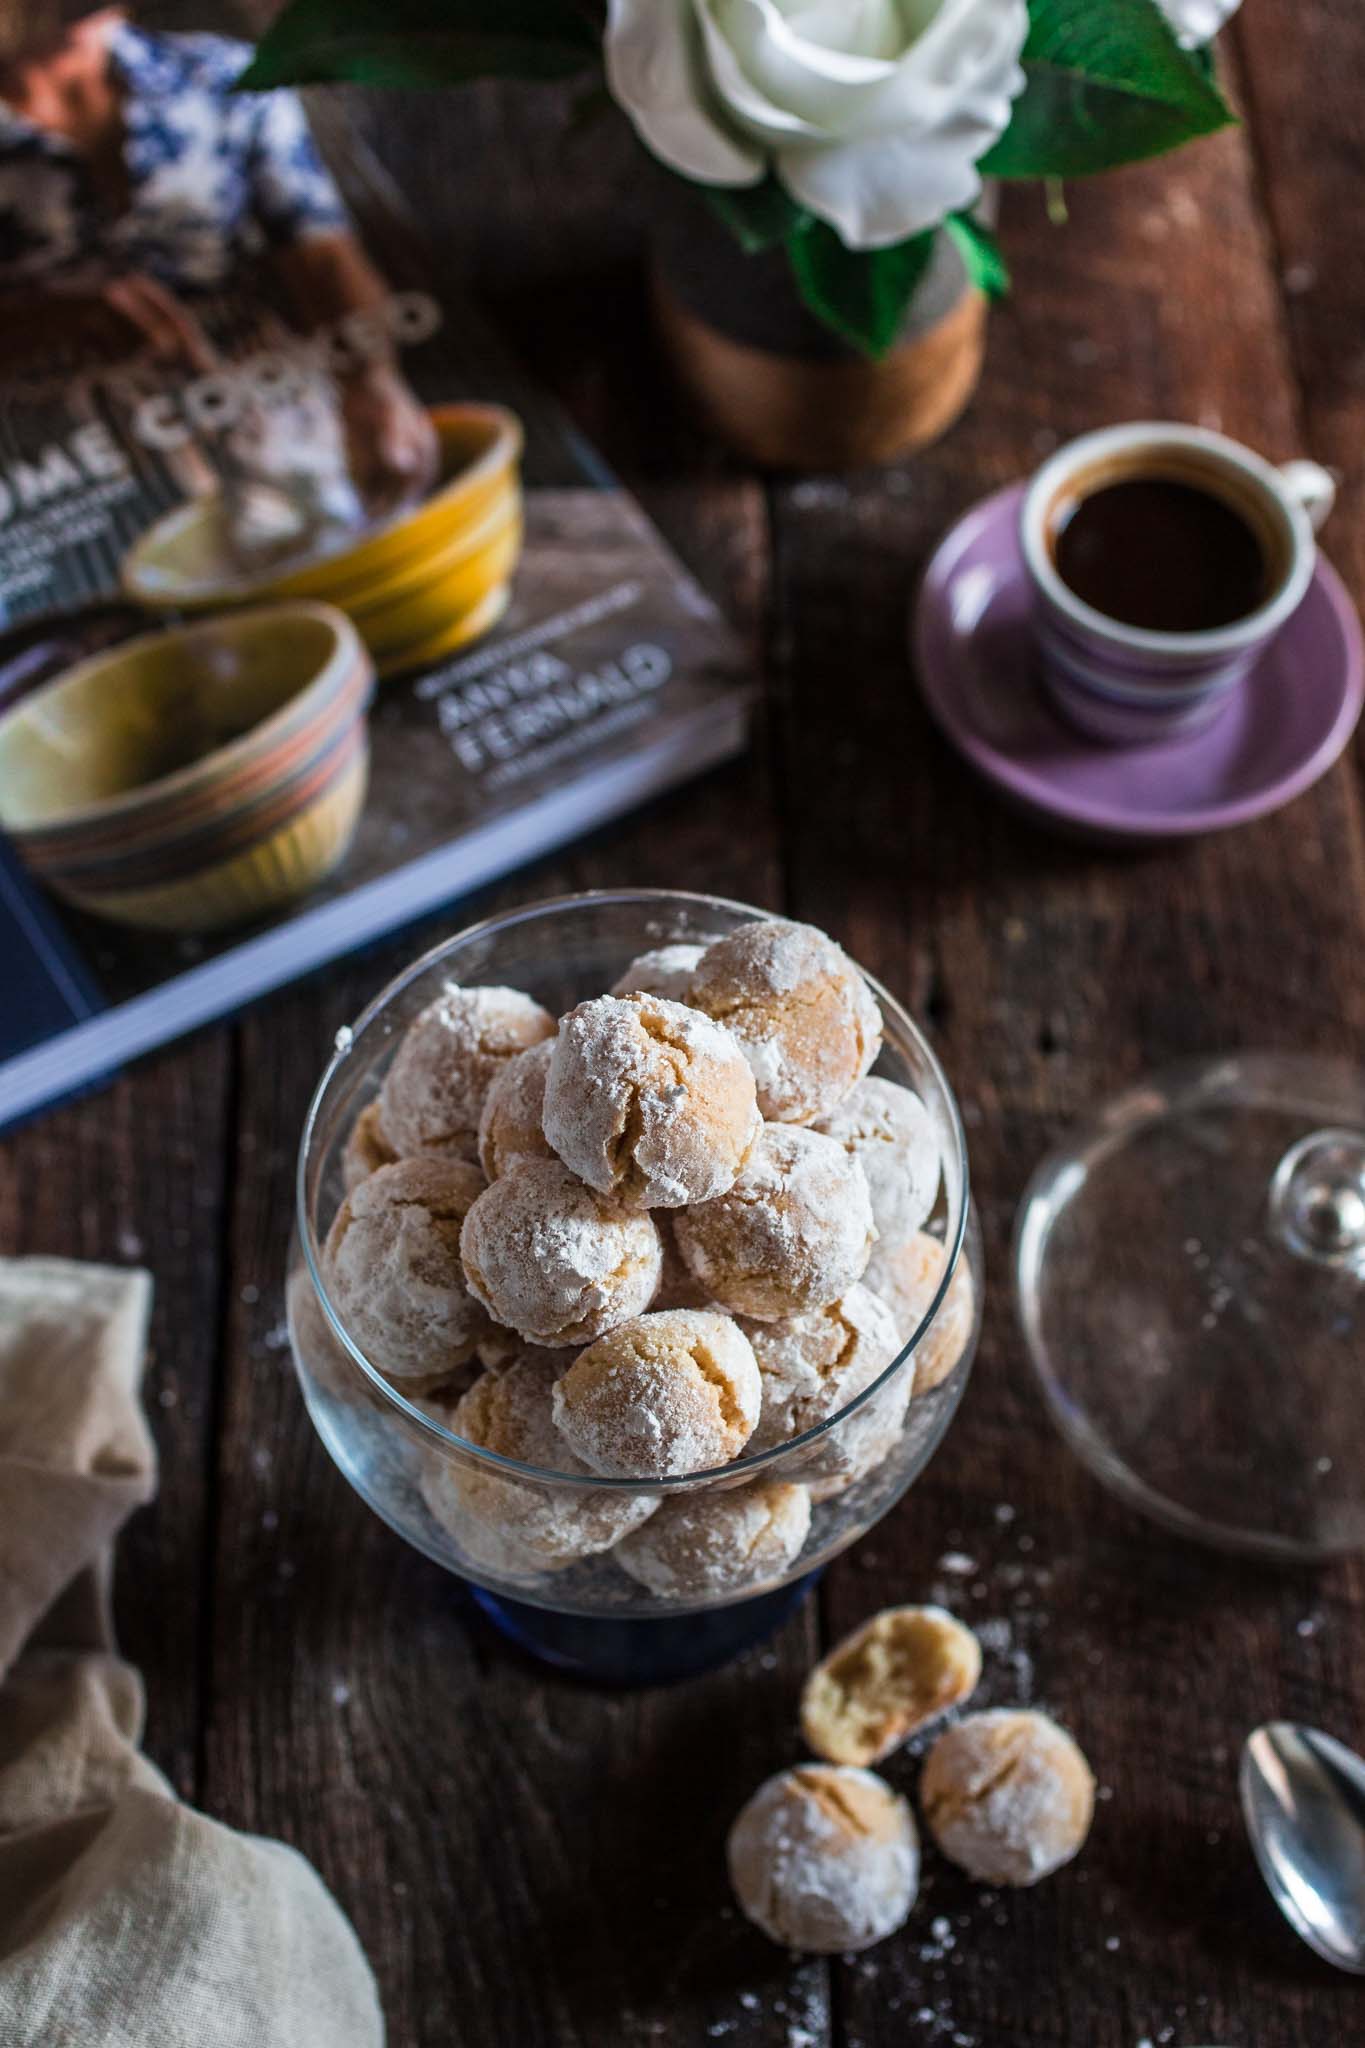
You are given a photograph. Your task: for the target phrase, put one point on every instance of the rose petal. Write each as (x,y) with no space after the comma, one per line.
(861,28)
(1198,21)
(878,188)
(655,70)
(878,192)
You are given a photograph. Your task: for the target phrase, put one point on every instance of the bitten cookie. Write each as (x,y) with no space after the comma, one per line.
(887,1680)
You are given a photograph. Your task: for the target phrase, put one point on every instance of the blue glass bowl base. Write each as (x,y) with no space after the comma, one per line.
(644,1652)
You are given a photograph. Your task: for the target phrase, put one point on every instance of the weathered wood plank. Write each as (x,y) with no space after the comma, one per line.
(1053,974)
(135,1175)
(525,1859)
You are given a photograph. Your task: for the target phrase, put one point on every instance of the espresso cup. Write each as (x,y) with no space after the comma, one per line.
(1131,684)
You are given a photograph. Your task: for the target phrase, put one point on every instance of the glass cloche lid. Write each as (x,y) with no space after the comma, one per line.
(1190,1279)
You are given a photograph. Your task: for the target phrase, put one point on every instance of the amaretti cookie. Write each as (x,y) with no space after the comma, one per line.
(802,1012)
(907,1277)
(667,1394)
(891,1134)
(701,1545)
(393,1270)
(650,1101)
(433,1094)
(512,1122)
(366,1148)
(511,1413)
(1008,1796)
(814,1364)
(886,1681)
(554,1260)
(793,1233)
(825,1859)
(662,971)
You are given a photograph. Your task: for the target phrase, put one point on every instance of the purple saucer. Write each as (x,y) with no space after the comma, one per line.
(973,645)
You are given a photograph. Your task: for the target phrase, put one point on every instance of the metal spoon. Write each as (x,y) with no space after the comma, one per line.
(1303,1800)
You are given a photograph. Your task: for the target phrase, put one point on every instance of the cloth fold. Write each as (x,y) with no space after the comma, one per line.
(125,1916)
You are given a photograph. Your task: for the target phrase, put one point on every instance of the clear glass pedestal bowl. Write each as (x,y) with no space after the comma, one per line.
(590,1616)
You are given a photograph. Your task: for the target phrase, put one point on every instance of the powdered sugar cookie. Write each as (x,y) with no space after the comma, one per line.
(800,1009)
(793,1233)
(650,1101)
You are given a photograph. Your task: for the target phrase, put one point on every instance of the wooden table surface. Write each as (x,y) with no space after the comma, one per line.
(530,1862)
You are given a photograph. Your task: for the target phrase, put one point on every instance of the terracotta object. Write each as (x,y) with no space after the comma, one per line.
(779,386)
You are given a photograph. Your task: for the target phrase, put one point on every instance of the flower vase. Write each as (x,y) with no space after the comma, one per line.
(774,382)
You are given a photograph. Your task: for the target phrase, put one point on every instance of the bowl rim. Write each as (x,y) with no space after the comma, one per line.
(737,1470)
(506,440)
(347,649)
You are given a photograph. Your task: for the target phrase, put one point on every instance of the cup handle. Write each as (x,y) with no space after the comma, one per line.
(1311,486)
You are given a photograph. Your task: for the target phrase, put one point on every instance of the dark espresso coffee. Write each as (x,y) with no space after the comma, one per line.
(1163,555)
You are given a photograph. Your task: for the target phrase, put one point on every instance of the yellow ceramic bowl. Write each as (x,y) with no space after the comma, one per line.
(196,777)
(183,563)
(406,617)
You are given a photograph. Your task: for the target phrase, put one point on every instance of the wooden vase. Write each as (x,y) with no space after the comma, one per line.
(775,383)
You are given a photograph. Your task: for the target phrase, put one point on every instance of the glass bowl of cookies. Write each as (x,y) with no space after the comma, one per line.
(635,1274)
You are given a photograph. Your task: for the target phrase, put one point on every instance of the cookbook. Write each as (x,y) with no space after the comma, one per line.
(610,676)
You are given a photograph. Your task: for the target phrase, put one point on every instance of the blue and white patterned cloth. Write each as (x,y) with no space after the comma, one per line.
(214,176)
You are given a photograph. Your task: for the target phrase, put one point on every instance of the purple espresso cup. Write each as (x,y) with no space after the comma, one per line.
(1127,685)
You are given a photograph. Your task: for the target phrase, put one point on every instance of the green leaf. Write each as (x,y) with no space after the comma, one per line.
(862,294)
(979,250)
(758,216)
(1107,84)
(421,42)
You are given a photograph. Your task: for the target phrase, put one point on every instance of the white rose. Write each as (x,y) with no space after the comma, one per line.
(872,113)
(1197,21)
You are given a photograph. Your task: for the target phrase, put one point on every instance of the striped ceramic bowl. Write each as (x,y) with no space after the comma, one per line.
(195,778)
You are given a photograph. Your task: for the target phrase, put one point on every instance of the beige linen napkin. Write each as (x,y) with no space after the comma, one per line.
(125,1918)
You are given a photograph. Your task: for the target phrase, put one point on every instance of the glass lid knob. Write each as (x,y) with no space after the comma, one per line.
(1317,1198)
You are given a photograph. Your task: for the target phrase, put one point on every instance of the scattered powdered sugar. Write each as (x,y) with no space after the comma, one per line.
(998,1639)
